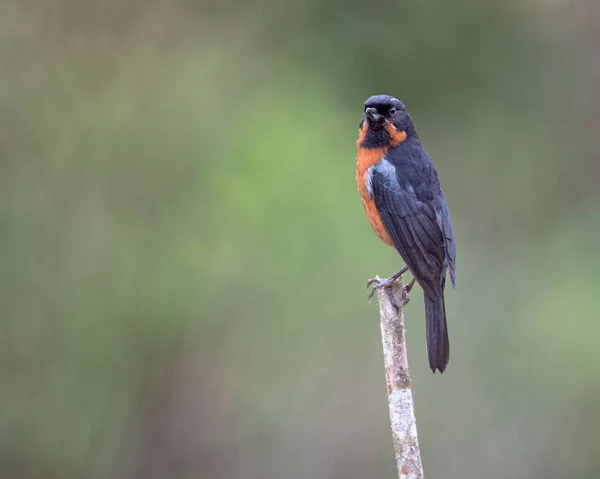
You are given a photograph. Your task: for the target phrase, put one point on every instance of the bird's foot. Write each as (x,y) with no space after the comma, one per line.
(407,289)
(379,283)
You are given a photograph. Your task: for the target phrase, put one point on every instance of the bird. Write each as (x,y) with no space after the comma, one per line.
(405,206)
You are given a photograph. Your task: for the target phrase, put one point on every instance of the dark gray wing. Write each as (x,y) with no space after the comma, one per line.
(450,244)
(414,227)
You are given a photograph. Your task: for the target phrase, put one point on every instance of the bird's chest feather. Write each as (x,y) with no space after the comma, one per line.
(365,159)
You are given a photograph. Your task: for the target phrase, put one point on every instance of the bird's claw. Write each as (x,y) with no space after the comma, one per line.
(379,284)
(407,289)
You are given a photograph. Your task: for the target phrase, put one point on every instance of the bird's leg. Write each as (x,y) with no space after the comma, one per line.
(407,290)
(386,282)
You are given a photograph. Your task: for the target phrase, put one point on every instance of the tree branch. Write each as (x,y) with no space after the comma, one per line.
(402,414)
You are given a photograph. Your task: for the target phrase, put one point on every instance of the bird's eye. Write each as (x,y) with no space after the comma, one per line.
(392,111)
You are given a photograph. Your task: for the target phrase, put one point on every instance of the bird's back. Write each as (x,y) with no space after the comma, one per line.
(412,207)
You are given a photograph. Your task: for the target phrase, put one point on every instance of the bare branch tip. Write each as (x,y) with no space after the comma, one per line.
(400,400)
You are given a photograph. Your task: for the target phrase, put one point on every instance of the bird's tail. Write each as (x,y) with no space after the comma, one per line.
(438,343)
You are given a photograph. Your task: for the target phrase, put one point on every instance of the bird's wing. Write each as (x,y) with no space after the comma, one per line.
(450,244)
(413,225)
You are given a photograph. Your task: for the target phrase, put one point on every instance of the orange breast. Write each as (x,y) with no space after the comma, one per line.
(366,158)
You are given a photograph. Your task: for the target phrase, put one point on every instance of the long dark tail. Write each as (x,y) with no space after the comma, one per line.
(438,343)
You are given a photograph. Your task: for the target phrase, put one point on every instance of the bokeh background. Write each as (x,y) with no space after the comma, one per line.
(183,252)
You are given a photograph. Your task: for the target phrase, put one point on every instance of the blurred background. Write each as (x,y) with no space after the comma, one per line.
(184,254)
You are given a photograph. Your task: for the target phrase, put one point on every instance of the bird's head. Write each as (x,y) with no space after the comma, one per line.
(385,122)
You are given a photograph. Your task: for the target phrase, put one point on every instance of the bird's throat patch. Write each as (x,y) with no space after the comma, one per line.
(396,136)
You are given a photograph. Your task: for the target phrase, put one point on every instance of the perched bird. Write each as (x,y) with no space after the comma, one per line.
(406,208)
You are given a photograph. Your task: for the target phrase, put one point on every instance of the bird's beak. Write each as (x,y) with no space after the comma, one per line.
(372,114)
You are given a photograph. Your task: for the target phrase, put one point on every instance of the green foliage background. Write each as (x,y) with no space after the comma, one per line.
(183,252)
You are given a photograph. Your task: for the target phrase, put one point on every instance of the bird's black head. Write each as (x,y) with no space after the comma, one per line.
(385,122)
